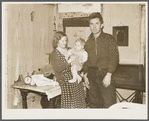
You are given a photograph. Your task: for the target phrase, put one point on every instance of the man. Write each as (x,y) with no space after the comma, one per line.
(102,61)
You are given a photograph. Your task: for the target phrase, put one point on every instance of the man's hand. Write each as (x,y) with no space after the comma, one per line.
(107,80)
(86,80)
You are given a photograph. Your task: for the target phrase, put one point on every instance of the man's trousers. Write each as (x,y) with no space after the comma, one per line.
(100,96)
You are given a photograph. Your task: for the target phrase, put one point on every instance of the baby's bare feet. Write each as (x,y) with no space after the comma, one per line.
(72,81)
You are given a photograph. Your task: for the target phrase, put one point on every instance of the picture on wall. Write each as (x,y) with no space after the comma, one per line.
(121,35)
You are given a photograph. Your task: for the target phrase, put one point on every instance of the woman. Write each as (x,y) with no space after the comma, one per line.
(72,94)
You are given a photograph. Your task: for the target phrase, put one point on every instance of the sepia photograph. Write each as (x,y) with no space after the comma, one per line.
(74,60)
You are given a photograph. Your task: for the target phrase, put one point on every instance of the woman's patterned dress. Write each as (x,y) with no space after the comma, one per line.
(72,94)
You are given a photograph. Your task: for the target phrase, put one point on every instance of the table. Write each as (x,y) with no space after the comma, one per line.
(54,91)
(131,77)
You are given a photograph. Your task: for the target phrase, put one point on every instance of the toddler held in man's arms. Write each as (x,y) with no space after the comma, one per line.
(79,57)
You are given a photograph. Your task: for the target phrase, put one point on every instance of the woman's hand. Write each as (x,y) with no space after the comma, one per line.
(78,68)
(54,78)
(71,59)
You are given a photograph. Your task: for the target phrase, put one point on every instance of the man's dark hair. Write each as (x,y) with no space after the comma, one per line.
(96,15)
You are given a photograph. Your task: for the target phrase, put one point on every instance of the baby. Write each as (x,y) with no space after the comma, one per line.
(79,57)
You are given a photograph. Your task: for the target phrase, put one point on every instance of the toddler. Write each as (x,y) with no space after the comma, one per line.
(79,57)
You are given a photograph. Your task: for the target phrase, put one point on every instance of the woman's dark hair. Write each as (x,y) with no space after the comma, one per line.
(57,36)
(96,15)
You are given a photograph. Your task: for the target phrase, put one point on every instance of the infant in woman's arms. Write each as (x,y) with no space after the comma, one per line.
(79,57)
